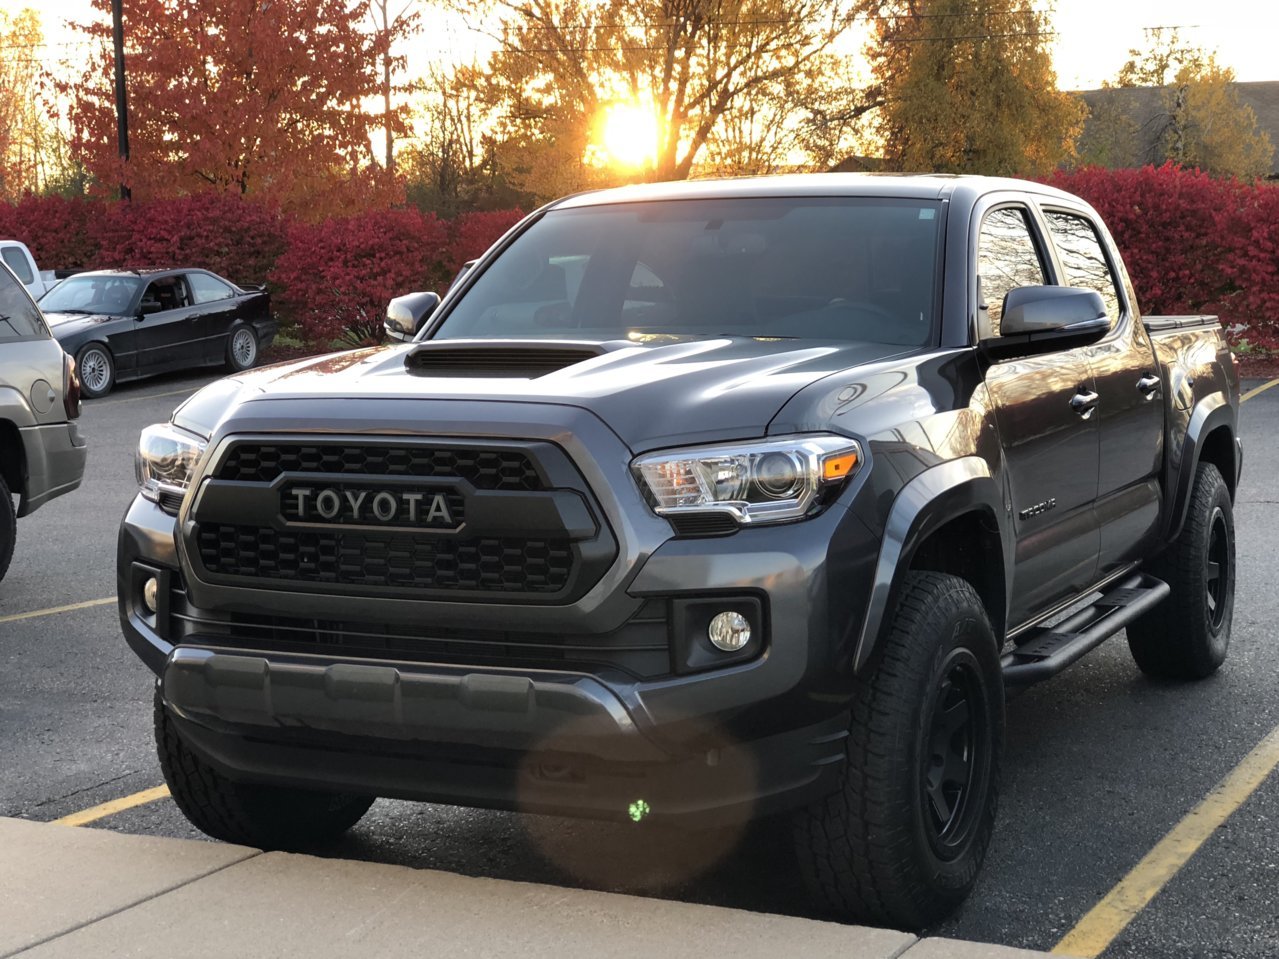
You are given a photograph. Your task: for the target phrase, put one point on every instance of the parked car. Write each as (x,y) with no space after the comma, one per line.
(18,258)
(126,324)
(41,451)
(697,502)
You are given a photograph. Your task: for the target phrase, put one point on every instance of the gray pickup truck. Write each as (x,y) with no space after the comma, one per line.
(41,451)
(702,502)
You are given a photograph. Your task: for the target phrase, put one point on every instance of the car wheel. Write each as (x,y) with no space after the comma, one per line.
(250,814)
(1188,634)
(901,841)
(8,527)
(97,370)
(242,349)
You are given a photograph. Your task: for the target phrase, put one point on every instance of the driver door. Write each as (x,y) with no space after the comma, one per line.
(1051,450)
(167,333)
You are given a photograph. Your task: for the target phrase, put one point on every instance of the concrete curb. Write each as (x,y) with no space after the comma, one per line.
(75,892)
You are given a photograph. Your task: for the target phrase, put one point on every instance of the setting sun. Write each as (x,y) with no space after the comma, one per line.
(629,134)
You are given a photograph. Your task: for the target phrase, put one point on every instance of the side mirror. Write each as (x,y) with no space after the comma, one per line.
(1044,319)
(151,306)
(406,315)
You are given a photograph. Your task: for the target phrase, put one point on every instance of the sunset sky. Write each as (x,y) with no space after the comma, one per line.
(1093,36)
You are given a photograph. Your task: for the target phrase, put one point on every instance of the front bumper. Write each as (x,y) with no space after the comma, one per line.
(744,739)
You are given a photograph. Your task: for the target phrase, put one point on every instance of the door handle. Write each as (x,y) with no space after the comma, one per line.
(1148,385)
(1084,403)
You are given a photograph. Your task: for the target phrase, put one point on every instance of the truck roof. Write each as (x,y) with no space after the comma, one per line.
(926,186)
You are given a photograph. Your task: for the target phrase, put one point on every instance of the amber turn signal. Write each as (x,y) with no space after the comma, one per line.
(837,468)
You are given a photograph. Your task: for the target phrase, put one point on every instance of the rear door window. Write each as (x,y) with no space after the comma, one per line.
(207,289)
(1083,259)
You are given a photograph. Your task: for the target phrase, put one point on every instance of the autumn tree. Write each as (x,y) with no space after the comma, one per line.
(968,86)
(1201,121)
(253,97)
(394,22)
(30,151)
(698,74)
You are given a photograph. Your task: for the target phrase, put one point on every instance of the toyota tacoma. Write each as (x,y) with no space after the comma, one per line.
(702,502)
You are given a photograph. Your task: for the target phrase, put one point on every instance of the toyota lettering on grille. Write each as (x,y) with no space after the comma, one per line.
(369,507)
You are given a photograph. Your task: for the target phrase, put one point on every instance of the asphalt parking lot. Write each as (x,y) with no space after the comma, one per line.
(1101,764)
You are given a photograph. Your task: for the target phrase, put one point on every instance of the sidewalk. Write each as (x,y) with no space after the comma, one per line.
(76,892)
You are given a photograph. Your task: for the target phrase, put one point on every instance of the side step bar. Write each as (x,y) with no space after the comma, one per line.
(1052,649)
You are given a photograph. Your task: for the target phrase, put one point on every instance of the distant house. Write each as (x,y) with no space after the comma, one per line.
(1126,122)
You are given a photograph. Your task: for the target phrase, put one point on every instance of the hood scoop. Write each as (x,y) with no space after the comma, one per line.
(518,360)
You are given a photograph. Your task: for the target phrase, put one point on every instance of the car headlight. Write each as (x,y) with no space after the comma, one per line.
(756,482)
(166,460)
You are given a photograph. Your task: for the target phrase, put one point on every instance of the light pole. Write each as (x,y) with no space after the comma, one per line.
(121,101)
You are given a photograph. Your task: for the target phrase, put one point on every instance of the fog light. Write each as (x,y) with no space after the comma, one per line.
(151,595)
(729,632)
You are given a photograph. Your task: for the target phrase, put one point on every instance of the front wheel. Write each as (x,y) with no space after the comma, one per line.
(1188,634)
(97,370)
(250,814)
(901,841)
(241,349)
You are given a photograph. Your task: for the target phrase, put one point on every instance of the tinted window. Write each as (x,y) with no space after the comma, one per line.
(819,268)
(87,293)
(1007,258)
(19,317)
(1083,259)
(206,289)
(18,262)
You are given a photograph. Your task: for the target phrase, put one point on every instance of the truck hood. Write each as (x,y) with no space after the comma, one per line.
(664,391)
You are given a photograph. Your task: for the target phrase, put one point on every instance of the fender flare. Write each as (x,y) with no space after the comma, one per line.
(933,498)
(1209,414)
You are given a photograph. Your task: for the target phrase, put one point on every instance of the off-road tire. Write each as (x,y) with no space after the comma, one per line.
(1187,636)
(91,384)
(8,527)
(250,814)
(872,851)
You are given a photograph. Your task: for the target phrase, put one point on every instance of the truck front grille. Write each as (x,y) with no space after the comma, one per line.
(483,469)
(521,524)
(387,559)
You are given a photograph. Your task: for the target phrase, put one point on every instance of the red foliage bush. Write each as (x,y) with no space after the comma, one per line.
(1192,243)
(470,234)
(54,228)
(334,278)
(222,232)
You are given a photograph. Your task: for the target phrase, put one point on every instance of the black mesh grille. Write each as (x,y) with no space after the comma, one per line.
(484,469)
(387,560)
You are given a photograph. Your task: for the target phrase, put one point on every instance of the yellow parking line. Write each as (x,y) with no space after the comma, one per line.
(1258,389)
(35,614)
(94,813)
(1112,915)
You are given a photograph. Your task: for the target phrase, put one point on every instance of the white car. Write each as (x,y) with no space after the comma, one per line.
(18,258)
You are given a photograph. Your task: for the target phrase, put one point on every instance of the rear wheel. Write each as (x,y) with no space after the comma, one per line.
(241,349)
(901,842)
(8,527)
(97,370)
(250,814)
(1188,634)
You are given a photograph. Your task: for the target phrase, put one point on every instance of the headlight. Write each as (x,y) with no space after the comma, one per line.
(756,482)
(166,460)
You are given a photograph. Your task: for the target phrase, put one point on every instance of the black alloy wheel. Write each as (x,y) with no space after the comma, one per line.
(956,764)
(1217,572)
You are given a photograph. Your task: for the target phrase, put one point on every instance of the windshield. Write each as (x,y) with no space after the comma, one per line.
(806,267)
(92,294)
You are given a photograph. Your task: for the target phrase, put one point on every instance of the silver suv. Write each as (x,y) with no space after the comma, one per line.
(41,451)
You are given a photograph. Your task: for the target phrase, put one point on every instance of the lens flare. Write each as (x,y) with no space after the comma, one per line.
(628,135)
